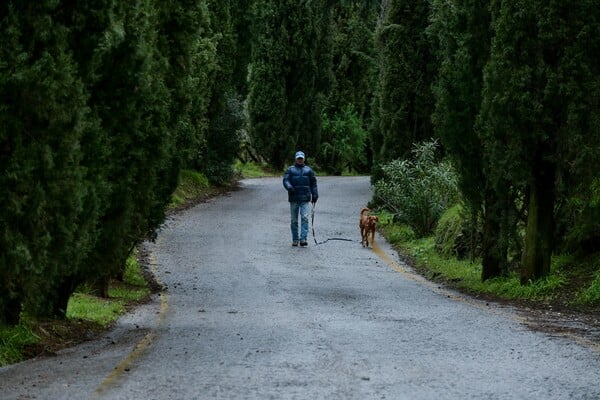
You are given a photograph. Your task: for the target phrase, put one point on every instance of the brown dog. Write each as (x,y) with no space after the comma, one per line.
(367,224)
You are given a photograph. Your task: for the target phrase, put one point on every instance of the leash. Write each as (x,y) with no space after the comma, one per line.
(312,224)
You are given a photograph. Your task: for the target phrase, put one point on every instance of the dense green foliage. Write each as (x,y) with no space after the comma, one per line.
(344,149)
(352,54)
(101,104)
(284,100)
(464,275)
(453,235)
(184,41)
(225,114)
(347,111)
(49,198)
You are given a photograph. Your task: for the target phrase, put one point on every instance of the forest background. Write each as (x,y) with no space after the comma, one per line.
(477,120)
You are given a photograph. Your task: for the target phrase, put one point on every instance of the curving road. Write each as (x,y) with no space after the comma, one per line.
(248,316)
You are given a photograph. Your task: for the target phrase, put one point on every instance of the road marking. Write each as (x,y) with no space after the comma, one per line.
(142,345)
(482,305)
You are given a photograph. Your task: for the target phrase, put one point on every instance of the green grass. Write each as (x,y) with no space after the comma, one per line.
(254,170)
(133,273)
(590,296)
(105,311)
(12,341)
(191,185)
(510,287)
(396,234)
(92,308)
(352,172)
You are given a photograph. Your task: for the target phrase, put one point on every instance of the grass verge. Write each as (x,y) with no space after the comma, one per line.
(254,170)
(570,286)
(14,340)
(191,185)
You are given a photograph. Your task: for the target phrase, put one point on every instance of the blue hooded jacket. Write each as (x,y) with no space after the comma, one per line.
(301,183)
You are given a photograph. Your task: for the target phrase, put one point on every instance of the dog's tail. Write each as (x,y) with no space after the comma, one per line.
(364,210)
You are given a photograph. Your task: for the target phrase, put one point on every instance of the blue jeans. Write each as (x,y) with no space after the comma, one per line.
(296,207)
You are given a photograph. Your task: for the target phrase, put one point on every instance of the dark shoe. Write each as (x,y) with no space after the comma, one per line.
(295,243)
(303,243)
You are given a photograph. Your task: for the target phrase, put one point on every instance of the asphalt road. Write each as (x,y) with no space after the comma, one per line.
(248,316)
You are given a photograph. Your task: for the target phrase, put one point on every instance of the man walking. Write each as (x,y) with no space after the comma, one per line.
(301,183)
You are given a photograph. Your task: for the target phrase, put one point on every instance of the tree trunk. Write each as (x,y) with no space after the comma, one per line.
(100,286)
(10,311)
(540,224)
(490,262)
(473,234)
(60,300)
(494,247)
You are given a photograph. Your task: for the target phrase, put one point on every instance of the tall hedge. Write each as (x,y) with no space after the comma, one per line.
(132,102)
(241,18)
(353,56)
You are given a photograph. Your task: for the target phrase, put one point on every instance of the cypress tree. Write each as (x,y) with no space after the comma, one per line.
(47,227)
(462,31)
(406,68)
(353,56)
(241,17)
(284,103)
(131,100)
(349,37)
(225,110)
(536,105)
(578,183)
(267,98)
(186,41)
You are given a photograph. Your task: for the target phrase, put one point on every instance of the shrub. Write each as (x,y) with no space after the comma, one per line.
(453,234)
(418,191)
